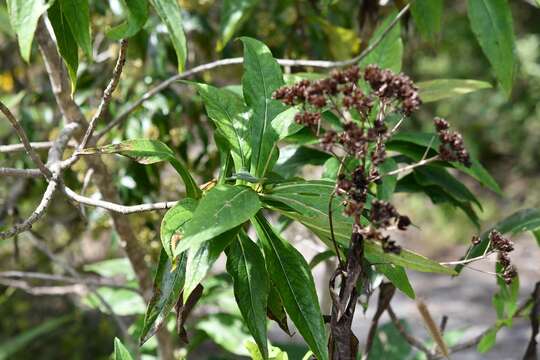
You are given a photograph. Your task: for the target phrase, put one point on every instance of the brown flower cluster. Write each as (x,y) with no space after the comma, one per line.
(452,147)
(503,246)
(363,137)
(388,85)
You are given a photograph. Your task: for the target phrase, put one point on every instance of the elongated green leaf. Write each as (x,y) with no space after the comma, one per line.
(168,284)
(275,310)
(427,15)
(120,351)
(11,346)
(491,22)
(245,264)
(440,89)
(437,175)
(200,259)
(223,208)
(171,230)
(262,76)
(67,45)
(233,15)
(487,341)
(389,51)
(170,13)
(398,277)
(520,221)
(23,16)
(136,16)
(388,184)
(146,151)
(292,277)
(292,159)
(77,14)
(228,112)
(285,125)
(476,171)
(307,202)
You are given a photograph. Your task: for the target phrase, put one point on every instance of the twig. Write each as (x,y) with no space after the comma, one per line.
(531,352)
(78,289)
(466,261)
(23,173)
(24,139)
(107,93)
(322,64)
(122,209)
(386,292)
(408,167)
(55,154)
(413,341)
(38,145)
(106,282)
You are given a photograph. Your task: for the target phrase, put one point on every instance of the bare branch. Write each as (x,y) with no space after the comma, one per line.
(98,281)
(78,289)
(38,145)
(107,94)
(322,64)
(24,173)
(55,154)
(121,209)
(24,139)
(414,342)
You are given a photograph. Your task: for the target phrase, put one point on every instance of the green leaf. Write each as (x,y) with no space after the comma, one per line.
(168,284)
(77,14)
(389,344)
(388,184)
(221,209)
(285,125)
(67,45)
(487,341)
(520,221)
(274,352)
(401,141)
(234,13)
(228,112)
(536,234)
(440,89)
(120,351)
(389,52)
(136,16)
(321,257)
(292,159)
(170,13)
(245,264)
(292,277)
(24,16)
(200,260)
(173,224)
(491,22)
(275,310)
(398,277)
(307,202)
(262,76)
(437,175)
(427,15)
(21,341)
(146,151)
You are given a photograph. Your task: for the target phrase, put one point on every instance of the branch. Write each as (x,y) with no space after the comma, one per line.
(38,145)
(386,292)
(322,64)
(414,342)
(107,93)
(24,139)
(98,281)
(24,173)
(55,155)
(78,289)
(121,209)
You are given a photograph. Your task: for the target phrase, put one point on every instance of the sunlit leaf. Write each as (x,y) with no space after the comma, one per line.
(491,22)
(221,209)
(136,16)
(170,13)
(23,16)
(145,151)
(233,15)
(120,351)
(440,89)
